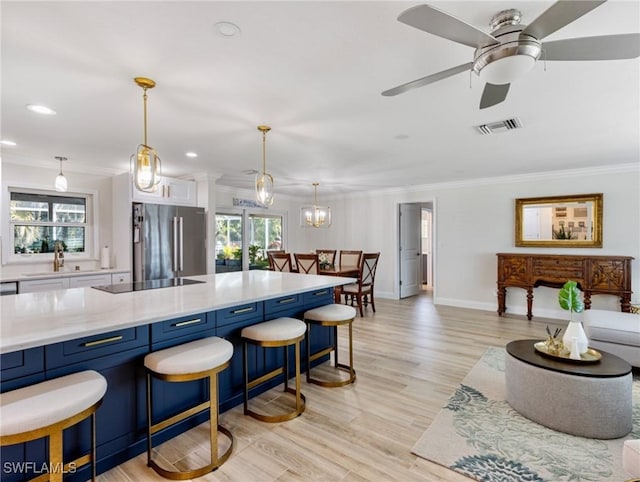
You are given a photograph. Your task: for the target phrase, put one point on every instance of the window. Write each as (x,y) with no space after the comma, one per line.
(245,233)
(38,220)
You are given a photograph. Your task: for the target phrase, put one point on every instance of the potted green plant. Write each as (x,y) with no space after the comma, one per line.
(570,299)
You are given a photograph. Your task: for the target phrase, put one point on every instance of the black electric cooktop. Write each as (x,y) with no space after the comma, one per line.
(146,285)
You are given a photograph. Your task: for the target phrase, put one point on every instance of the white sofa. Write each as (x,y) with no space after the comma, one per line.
(614,332)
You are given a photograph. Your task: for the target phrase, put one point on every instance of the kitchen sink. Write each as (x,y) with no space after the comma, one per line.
(49,273)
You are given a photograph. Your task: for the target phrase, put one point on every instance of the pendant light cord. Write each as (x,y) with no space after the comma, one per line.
(264,152)
(144,97)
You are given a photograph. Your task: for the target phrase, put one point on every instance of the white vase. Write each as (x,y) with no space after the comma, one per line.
(575,330)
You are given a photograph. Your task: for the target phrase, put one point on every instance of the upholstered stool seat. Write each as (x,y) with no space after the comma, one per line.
(281,332)
(195,360)
(47,408)
(331,315)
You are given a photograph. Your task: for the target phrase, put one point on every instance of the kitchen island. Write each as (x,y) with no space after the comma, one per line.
(50,334)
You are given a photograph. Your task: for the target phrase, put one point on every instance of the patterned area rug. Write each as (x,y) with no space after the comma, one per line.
(478,434)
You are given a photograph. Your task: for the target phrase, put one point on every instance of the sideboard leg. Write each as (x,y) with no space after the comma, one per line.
(625,303)
(502,299)
(529,303)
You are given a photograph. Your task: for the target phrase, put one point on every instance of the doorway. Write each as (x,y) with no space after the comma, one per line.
(416,253)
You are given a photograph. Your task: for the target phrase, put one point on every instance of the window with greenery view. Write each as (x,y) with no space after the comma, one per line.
(263,233)
(38,221)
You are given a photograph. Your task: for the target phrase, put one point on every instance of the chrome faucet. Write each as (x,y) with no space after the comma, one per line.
(58,256)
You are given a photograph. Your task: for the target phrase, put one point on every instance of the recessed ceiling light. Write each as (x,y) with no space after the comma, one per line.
(41,109)
(250,172)
(6,142)
(227,29)
(191,154)
(402,137)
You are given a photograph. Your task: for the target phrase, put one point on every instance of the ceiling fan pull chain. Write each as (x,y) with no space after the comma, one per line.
(470,79)
(544,59)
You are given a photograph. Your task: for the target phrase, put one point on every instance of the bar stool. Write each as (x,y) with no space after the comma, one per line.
(195,360)
(281,332)
(331,315)
(46,409)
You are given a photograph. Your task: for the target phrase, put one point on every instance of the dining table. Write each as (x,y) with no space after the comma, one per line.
(347,271)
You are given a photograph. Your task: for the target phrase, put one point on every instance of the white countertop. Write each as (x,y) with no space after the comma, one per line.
(26,273)
(35,319)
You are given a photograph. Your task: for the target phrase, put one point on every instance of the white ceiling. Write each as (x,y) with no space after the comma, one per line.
(314,72)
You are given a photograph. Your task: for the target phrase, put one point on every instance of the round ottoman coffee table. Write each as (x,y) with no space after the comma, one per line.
(586,399)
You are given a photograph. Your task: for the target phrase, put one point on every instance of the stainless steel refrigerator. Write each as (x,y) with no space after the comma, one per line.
(168,241)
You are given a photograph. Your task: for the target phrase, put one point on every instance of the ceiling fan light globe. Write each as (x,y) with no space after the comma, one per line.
(507,69)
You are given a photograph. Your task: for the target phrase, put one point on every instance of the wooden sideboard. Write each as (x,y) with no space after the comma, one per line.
(609,275)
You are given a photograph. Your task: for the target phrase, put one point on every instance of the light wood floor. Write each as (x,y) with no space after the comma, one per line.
(409,358)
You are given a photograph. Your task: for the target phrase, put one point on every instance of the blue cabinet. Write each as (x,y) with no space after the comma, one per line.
(229,325)
(121,419)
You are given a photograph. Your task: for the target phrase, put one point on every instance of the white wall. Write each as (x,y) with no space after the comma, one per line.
(475,220)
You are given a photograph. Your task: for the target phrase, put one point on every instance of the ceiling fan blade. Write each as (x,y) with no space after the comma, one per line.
(429,79)
(493,94)
(606,47)
(442,24)
(561,13)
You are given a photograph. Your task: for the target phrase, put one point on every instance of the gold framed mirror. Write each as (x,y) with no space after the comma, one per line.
(573,221)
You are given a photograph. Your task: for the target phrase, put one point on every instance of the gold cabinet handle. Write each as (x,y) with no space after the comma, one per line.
(288,300)
(103,341)
(185,323)
(320,293)
(242,310)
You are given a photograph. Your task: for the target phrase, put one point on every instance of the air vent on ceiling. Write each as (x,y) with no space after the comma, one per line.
(499,126)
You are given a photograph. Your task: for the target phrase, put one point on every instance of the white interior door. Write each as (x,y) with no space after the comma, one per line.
(410,248)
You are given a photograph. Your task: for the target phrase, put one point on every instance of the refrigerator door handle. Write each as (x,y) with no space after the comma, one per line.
(175,243)
(180,223)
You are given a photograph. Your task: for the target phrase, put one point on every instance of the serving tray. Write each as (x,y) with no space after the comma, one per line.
(590,356)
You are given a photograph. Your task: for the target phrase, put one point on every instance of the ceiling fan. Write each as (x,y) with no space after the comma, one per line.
(512,49)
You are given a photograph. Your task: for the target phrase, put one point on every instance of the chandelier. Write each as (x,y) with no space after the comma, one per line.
(264,181)
(147,167)
(314,216)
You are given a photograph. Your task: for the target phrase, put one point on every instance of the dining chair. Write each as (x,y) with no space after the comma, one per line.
(307,263)
(350,258)
(329,254)
(270,259)
(281,262)
(362,291)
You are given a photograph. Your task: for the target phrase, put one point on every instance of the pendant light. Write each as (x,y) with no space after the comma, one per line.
(264,181)
(61,181)
(315,216)
(147,167)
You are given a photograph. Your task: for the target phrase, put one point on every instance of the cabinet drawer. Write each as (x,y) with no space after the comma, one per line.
(91,280)
(238,313)
(318,297)
(284,303)
(183,326)
(21,363)
(43,285)
(88,347)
